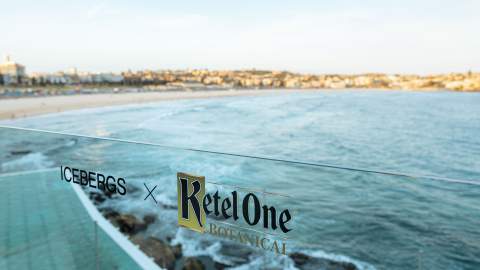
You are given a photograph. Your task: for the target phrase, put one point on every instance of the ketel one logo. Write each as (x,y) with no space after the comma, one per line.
(194,204)
(191,191)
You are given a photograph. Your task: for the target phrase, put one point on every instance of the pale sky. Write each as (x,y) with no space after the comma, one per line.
(342,36)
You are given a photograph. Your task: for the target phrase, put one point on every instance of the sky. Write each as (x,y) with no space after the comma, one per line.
(342,36)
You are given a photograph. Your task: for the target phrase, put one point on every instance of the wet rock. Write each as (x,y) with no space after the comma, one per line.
(149,219)
(299,258)
(109,213)
(161,252)
(97,198)
(128,224)
(219,266)
(177,250)
(108,193)
(192,263)
(306,262)
(200,261)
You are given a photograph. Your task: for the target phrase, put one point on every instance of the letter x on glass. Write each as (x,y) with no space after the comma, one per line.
(150,192)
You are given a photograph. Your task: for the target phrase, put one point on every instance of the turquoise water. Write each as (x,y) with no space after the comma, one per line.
(377,221)
(44,226)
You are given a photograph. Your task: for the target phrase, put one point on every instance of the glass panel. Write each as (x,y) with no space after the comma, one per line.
(336,219)
(419,132)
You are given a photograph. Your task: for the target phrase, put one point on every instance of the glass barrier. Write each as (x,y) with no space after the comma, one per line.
(91,203)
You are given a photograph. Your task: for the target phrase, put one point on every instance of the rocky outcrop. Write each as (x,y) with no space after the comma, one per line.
(149,219)
(177,251)
(128,224)
(99,196)
(192,263)
(161,252)
(306,262)
(164,254)
(171,256)
(199,262)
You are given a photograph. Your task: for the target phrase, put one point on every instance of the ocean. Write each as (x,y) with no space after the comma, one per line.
(381,179)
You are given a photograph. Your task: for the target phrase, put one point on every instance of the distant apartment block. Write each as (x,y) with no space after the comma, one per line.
(11,72)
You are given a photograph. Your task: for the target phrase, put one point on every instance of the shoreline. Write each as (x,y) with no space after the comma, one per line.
(33,106)
(28,106)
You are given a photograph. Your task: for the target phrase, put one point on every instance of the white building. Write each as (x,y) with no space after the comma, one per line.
(12,72)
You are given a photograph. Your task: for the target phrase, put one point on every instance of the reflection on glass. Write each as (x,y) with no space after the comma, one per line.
(340,219)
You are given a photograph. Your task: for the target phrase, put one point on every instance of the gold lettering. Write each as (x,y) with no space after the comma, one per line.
(275,247)
(249,239)
(263,243)
(232,236)
(213,229)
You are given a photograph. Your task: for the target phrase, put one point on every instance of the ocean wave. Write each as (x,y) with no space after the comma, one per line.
(148,124)
(243,257)
(192,246)
(339,258)
(32,161)
(272,263)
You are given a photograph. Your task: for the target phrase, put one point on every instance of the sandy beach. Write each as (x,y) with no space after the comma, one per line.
(30,106)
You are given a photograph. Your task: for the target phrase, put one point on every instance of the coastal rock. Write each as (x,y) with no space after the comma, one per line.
(199,262)
(97,198)
(192,263)
(128,224)
(161,252)
(108,193)
(219,266)
(306,262)
(177,250)
(299,258)
(109,213)
(149,219)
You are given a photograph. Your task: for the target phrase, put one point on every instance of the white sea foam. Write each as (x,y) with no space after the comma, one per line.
(148,124)
(32,161)
(192,246)
(270,261)
(340,258)
(266,262)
